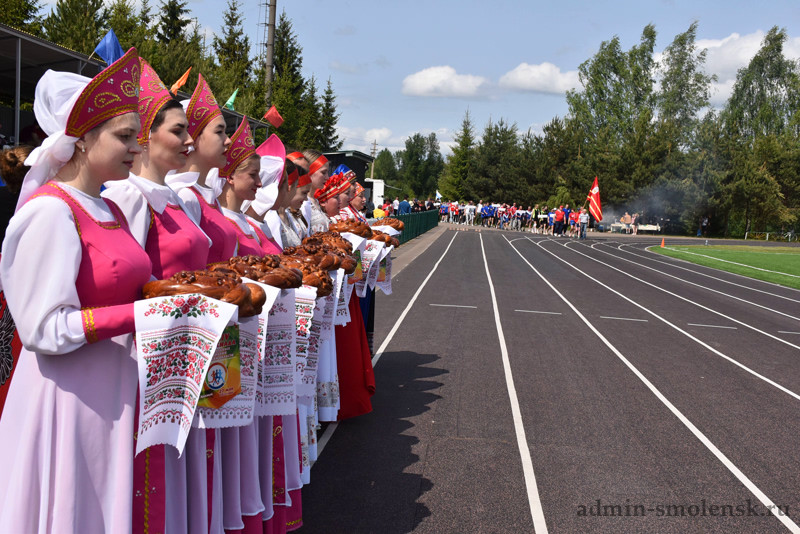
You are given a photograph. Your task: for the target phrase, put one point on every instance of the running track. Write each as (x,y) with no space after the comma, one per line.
(521,378)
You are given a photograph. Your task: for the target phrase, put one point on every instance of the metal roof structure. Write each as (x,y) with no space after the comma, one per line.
(24,58)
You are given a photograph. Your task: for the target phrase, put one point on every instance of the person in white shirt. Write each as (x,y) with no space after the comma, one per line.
(583,220)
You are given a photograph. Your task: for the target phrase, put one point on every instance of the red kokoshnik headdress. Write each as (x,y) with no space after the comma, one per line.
(335,185)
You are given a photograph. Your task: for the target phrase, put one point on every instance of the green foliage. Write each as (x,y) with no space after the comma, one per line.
(172,20)
(460,164)
(328,138)
(420,165)
(766,95)
(76,24)
(637,124)
(23,15)
(385,168)
(232,54)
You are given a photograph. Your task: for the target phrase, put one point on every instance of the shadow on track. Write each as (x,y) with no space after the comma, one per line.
(369,477)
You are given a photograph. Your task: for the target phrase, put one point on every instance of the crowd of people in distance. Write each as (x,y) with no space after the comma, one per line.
(561,221)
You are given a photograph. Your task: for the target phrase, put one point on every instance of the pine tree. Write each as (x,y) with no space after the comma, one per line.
(123,21)
(460,163)
(172,21)
(308,135)
(23,15)
(329,139)
(232,51)
(76,24)
(288,86)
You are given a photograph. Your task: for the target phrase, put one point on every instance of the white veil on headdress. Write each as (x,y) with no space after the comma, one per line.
(56,94)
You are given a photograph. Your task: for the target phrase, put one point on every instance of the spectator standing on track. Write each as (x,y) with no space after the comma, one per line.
(470,214)
(573,224)
(396,204)
(583,219)
(558,221)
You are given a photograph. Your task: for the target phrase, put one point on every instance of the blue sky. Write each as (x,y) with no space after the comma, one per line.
(411,66)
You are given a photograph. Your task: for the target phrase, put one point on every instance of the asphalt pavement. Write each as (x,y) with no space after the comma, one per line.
(537,384)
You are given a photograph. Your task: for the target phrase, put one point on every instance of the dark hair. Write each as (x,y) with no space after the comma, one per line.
(289,166)
(162,113)
(12,166)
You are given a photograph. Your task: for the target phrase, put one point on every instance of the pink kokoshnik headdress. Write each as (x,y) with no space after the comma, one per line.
(68,105)
(153,94)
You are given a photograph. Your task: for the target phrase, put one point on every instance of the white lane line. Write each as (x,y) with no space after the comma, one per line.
(785,332)
(452,306)
(535,311)
(671,264)
(760,495)
(672,325)
(326,436)
(712,326)
(767,308)
(737,321)
(535,504)
(623,319)
(734,263)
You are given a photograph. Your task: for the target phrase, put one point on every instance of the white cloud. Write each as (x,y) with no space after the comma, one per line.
(542,78)
(361,139)
(444,81)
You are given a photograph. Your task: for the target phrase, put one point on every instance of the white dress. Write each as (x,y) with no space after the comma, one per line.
(66,452)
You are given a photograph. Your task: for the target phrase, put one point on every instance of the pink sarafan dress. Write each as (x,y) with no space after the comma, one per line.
(169,492)
(71,271)
(215,225)
(251,239)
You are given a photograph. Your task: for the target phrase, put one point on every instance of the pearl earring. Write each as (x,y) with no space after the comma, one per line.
(83,148)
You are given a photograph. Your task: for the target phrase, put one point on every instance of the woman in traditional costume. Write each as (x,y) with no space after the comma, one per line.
(319,172)
(272,154)
(353,358)
(71,271)
(198,183)
(242,181)
(174,242)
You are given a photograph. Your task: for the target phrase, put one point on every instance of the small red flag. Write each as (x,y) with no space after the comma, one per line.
(273,117)
(594,201)
(181,82)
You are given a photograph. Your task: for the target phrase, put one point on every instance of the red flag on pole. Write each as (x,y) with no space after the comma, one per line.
(594,201)
(273,117)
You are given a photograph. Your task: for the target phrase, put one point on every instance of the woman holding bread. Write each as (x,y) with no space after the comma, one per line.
(71,271)
(242,181)
(198,183)
(319,173)
(174,242)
